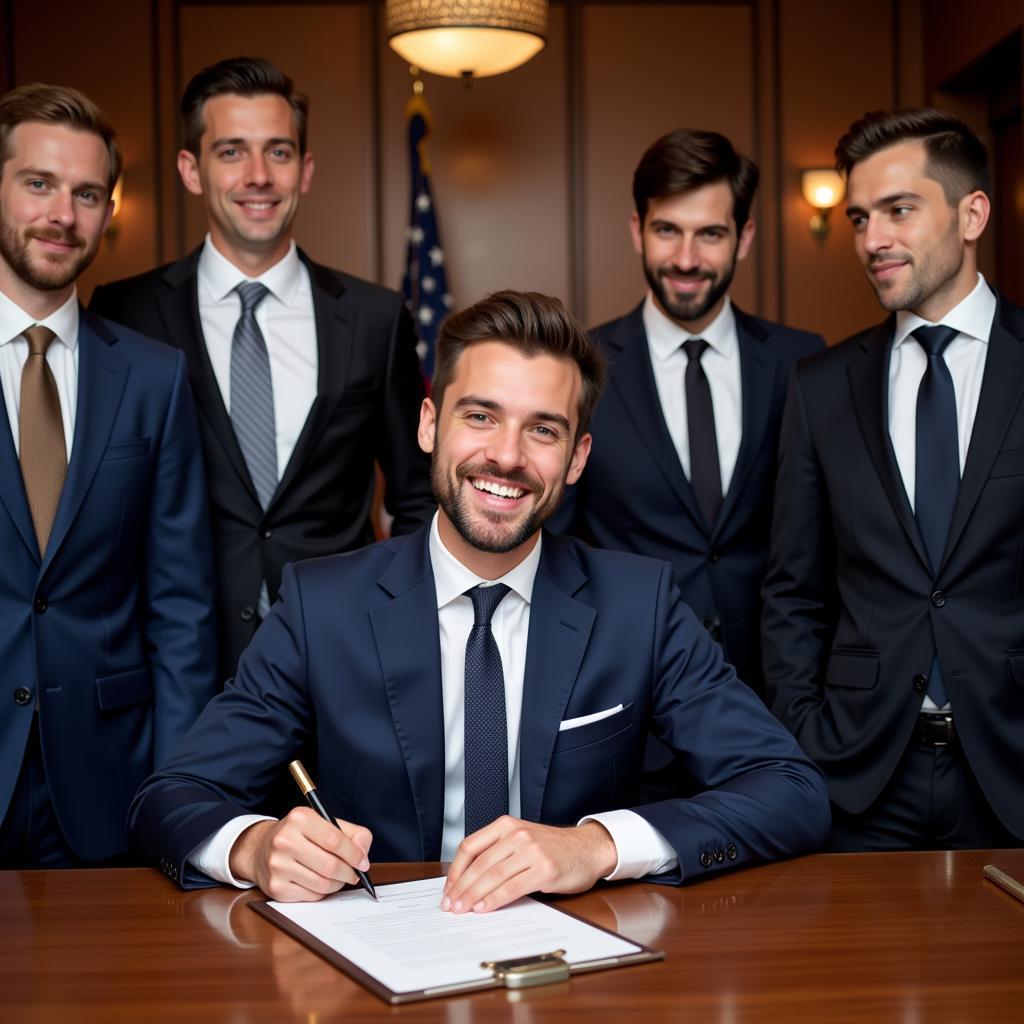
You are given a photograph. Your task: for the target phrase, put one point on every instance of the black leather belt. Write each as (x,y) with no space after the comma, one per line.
(934,730)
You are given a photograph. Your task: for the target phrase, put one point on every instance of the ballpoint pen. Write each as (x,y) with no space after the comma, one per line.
(301,776)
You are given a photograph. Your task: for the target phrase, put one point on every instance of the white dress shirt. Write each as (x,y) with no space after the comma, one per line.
(641,849)
(285,317)
(721,362)
(965,356)
(61,356)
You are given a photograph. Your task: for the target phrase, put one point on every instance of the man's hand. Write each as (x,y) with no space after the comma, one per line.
(510,858)
(300,858)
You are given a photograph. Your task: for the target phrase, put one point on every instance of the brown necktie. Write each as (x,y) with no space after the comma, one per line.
(44,461)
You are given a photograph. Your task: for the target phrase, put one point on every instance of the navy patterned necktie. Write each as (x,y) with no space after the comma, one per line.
(937,461)
(486,732)
(705,471)
(252,404)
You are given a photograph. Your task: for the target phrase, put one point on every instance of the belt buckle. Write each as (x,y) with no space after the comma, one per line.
(936,730)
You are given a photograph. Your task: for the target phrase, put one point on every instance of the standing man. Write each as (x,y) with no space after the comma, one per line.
(487,681)
(684,465)
(303,375)
(106,625)
(893,629)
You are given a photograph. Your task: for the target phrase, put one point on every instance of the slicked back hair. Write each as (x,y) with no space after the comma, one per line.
(531,323)
(57,104)
(686,160)
(955,157)
(239,76)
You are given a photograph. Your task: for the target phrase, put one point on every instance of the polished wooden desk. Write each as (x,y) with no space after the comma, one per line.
(911,937)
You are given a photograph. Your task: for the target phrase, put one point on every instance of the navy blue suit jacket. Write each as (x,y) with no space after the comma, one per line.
(634,496)
(350,657)
(854,614)
(112,631)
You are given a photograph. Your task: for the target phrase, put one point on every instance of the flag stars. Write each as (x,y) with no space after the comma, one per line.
(428,284)
(447,300)
(423,202)
(425,315)
(422,350)
(415,235)
(436,256)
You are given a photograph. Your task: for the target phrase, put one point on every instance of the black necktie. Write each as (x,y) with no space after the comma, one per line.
(936,460)
(705,473)
(486,734)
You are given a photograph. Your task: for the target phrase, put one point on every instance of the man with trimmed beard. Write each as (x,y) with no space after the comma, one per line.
(106,623)
(480,691)
(684,465)
(893,642)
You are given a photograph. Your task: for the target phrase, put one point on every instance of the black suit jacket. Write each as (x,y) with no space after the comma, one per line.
(854,615)
(369,391)
(634,496)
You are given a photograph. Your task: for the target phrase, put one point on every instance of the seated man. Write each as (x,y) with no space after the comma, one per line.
(474,688)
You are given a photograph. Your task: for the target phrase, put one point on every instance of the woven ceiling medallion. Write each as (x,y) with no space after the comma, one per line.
(466,38)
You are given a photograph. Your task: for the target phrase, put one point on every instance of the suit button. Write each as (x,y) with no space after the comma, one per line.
(22,695)
(40,605)
(705,859)
(713,557)
(719,856)
(938,598)
(730,851)
(266,533)
(248,613)
(920,683)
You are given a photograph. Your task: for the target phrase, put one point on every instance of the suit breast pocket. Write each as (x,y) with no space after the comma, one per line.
(1009,462)
(595,732)
(129,448)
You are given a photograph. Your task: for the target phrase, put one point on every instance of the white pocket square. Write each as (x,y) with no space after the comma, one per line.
(575,723)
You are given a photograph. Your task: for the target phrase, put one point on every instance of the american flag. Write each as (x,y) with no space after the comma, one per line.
(425,284)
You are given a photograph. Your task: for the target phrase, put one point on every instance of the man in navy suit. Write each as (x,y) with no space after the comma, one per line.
(687,432)
(893,637)
(476,687)
(106,624)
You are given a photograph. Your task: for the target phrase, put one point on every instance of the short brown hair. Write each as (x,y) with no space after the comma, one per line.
(532,323)
(955,157)
(239,76)
(685,160)
(57,104)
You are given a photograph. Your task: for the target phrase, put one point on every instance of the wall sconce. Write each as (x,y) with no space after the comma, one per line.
(466,38)
(117,198)
(823,189)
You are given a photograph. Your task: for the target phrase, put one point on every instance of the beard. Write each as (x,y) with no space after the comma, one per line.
(488,530)
(936,268)
(682,308)
(54,271)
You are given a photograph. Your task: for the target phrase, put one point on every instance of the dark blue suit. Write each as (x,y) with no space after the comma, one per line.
(111,632)
(350,657)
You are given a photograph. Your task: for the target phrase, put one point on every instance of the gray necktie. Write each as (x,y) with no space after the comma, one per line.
(252,403)
(486,732)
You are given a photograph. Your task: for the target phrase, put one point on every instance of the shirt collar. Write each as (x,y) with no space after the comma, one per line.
(14,321)
(218,276)
(664,335)
(452,579)
(973,316)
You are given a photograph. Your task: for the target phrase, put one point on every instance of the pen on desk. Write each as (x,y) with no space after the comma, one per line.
(301,776)
(1004,881)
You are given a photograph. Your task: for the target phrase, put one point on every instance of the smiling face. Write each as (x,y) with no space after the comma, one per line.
(54,207)
(917,250)
(250,174)
(503,450)
(690,248)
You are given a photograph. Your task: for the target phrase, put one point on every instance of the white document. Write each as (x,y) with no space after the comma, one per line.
(409,944)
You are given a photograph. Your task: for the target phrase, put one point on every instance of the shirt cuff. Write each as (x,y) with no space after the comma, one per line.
(641,849)
(211,856)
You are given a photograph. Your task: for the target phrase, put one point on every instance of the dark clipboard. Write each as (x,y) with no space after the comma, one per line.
(643,955)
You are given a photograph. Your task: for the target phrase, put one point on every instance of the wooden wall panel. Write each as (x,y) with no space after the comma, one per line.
(499,154)
(647,69)
(328,51)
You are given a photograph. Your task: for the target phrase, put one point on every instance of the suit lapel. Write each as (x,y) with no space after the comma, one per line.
(335,326)
(12,485)
(759,366)
(1001,388)
(869,388)
(102,375)
(179,310)
(633,379)
(559,633)
(408,645)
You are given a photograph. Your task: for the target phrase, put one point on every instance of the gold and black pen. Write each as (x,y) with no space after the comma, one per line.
(301,776)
